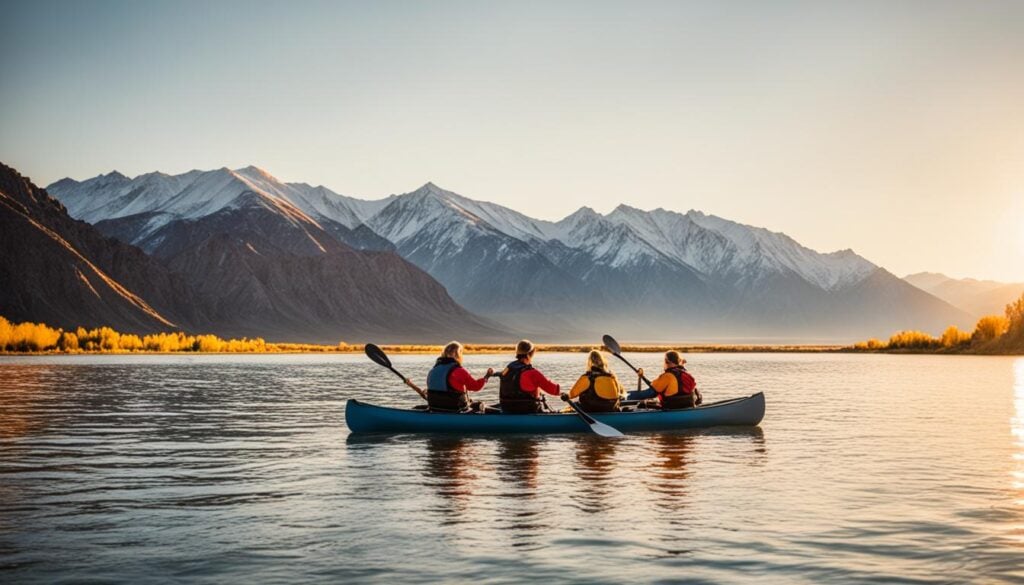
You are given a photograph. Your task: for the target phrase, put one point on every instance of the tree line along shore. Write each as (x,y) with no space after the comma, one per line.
(993,334)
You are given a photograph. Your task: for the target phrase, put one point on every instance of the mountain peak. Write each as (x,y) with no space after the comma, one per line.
(66,181)
(253,169)
(623,208)
(584,212)
(432,188)
(926,274)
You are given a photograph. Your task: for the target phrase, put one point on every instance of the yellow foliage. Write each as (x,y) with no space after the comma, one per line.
(6,333)
(913,340)
(1015,316)
(870,344)
(32,337)
(27,336)
(991,327)
(68,341)
(954,337)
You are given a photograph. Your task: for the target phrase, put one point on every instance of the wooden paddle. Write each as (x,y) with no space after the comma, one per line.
(595,425)
(379,357)
(614,347)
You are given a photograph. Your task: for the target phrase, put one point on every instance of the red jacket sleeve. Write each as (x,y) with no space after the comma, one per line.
(532,380)
(461,379)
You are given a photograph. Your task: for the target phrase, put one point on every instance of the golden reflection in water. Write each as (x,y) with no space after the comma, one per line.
(18,416)
(1017,429)
(518,459)
(450,462)
(595,458)
(668,471)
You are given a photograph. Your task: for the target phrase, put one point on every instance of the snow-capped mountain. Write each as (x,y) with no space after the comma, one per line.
(262,259)
(718,246)
(151,201)
(487,269)
(649,273)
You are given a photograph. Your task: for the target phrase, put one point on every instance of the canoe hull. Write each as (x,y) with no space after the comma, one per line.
(367,418)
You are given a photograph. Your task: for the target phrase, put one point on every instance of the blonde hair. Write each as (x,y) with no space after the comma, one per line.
(596,361)
(453,350)
(673,357)
(524,348)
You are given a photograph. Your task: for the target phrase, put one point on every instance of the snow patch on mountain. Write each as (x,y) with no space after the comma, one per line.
(625,237)
(829,271)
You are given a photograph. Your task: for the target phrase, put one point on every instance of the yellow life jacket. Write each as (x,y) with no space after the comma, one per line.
(602,393)
(603,385)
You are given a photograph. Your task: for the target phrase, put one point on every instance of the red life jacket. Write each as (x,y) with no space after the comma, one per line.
(685,382)
(515,400)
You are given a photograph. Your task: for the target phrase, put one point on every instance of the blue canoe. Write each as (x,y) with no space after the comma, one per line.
(368,418)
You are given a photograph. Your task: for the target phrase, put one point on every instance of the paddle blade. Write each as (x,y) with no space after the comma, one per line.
(377,355)
(611,344)
(595,425)
(605,430)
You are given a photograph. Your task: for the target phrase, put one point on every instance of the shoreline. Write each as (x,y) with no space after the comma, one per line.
(490,349)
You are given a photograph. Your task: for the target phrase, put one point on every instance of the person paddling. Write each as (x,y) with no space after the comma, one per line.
(598,389)
(675,387)
(448,382)
(521,384)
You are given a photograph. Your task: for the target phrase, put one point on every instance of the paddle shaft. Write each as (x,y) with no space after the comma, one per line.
(625,361)
(616,350)
(377,356)
(409,383)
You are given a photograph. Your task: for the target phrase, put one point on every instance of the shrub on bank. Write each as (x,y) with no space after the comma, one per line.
(992,334)
(913,340)
(954,337)
(38,337)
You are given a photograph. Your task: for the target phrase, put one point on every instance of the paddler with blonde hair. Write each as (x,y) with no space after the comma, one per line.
(598,389)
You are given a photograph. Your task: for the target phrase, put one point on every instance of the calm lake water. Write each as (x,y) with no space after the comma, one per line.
(240,468)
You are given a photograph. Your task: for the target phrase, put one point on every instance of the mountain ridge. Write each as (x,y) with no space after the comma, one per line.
(977,297)
(257,266)
(675,271)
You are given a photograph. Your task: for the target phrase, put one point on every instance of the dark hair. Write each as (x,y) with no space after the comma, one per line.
(672,356)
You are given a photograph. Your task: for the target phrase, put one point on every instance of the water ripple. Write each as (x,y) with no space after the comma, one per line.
(894,469)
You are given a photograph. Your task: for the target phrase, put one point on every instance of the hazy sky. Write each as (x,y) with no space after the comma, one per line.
(893,128)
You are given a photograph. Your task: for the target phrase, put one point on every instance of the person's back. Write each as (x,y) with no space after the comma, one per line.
(598,390)
(676,388)
(521,383)
(448,382)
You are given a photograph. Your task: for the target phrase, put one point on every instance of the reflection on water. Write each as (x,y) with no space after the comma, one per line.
(1017,428)
(449,465)
(517,460)
(668,473)
(239,468)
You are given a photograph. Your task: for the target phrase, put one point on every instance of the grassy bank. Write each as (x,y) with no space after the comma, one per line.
(39,338)
(992,335)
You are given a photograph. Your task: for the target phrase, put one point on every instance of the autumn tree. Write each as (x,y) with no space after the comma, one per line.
(954,337)
(989,328)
